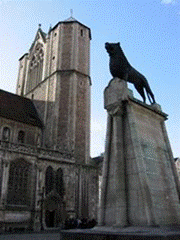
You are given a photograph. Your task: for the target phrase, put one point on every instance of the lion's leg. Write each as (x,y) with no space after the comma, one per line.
(126,76)
(149,92)
(152,96)
(140,90)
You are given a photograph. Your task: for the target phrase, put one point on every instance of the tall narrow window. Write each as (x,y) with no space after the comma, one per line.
(35,68)
(49,180)
(6,134)
(21,136)
(59,182)
(18,184)
(82,33)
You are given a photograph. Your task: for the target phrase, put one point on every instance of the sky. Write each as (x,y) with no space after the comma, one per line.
(149,33)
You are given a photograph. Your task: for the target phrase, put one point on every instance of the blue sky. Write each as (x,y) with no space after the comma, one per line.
(148,31)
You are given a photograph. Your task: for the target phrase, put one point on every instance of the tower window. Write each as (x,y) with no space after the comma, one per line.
(82,33)
(81,84)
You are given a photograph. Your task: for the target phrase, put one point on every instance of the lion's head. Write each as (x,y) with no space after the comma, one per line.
(112,48)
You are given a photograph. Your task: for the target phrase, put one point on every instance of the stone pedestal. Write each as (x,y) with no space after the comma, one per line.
(140,184)
(140,188)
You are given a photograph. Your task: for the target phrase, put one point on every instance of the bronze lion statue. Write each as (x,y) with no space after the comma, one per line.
(121,68)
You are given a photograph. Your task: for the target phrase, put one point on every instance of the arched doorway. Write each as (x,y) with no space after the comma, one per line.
(54,206)
(55,213)
(50,218)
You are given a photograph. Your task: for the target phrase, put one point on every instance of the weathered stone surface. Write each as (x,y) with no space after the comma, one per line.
(115,92)
(80,183)
(55,74)
(62,96)
(140,184)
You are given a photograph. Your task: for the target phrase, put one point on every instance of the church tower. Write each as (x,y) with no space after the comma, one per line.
(56,75)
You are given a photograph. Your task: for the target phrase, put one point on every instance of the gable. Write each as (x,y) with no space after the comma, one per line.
(39,38)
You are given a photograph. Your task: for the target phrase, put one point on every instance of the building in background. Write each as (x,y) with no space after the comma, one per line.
(46,173)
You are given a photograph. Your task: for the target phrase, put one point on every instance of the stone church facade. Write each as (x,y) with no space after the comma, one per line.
(46,173)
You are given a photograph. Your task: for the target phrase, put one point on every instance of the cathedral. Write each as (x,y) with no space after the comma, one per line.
(46,173)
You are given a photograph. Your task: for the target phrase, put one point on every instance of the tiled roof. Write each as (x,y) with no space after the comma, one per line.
(19,109)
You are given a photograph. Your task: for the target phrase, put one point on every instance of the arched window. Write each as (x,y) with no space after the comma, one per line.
(19,182)
(35,68)
(6,134)
(38,140)
(21,136)
(59,182)
(49,180)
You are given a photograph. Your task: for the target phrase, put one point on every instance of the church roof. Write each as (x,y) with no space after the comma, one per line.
(19,109)
(72,20)
(43,35)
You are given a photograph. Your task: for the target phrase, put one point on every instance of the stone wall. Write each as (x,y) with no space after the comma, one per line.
(38,95)
(31,132)
(81,118)
(140,185)
(157,175)
(22,75)
(80,182)
(62,98)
